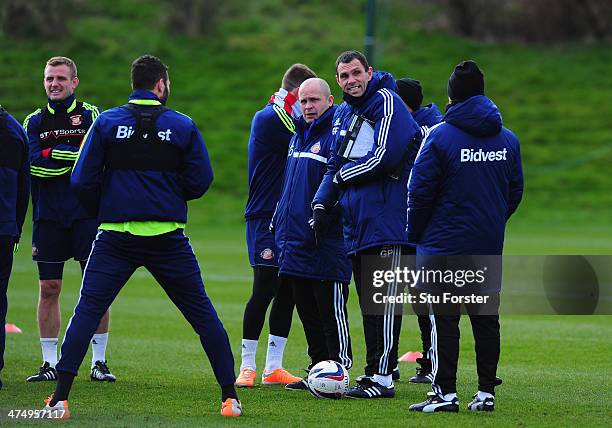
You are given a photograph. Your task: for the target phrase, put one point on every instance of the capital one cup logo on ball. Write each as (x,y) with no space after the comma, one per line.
(328,379)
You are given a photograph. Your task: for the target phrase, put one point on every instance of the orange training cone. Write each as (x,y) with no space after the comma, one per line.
(410,356)
(12,328)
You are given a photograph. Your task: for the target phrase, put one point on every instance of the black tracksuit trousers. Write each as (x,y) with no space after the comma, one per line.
(444,352)
(381,323)
(321,306)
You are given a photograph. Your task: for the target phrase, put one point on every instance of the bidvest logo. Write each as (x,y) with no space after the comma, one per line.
(127,131)
(469,155)
(124,132)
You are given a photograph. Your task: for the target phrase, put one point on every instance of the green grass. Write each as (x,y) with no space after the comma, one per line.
(556,369)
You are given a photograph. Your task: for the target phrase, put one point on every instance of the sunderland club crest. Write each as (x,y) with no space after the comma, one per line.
(267,254)
(76,120)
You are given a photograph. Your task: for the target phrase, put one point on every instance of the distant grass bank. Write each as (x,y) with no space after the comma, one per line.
(557,100)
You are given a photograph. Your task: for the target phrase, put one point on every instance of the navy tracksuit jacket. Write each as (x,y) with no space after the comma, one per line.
(55,133)
(373,203)
(148,179)
(306,165)
(466,182)
(14,194)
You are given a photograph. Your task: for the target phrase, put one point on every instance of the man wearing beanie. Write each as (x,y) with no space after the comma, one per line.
(411,92)
(466,81)
(466,182)
(367,175)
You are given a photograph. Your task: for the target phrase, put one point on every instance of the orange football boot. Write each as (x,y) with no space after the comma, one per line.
(246,378)
(279,376)
(59,411)
(231,407)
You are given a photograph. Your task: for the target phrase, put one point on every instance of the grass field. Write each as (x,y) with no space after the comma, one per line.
(556,369)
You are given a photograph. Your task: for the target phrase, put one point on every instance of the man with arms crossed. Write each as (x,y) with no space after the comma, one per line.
(63,228)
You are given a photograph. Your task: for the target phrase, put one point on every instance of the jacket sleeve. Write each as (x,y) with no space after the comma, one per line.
(23,184)
(63,153)
(292,143)
(516,184)
(41,164)
(196,172)
(87,175)
(327,194)
(423,185)
(394,131)
(279,132)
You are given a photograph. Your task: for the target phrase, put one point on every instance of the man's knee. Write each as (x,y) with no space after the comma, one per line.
(50,289)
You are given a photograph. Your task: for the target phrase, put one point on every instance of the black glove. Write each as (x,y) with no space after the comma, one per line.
(338,181)
(321,221)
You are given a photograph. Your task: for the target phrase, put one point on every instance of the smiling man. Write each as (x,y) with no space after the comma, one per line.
(367,174)
(63,228)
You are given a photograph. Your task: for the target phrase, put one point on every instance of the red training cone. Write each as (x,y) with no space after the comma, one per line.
(12,328)
(411,356)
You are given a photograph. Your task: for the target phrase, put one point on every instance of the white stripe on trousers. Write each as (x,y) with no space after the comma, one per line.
(433,352)
(389,315)
(341,323)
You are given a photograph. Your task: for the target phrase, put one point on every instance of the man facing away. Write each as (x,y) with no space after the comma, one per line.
(139,165)
(466,182)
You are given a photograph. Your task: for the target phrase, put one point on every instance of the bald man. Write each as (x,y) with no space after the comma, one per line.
(317,270)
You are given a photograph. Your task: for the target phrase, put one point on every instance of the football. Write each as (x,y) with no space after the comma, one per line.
(328,379)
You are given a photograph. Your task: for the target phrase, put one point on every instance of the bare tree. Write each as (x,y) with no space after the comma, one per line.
(35,18)
(193,17)
(528,20)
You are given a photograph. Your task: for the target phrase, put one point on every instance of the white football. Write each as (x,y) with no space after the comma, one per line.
(328,379)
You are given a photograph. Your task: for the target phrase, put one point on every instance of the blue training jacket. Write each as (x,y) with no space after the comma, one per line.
(161,180)
(14,175)
(466,182)
(271,131)
(428,115)
(373,203)
(55,133)
(306,165)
